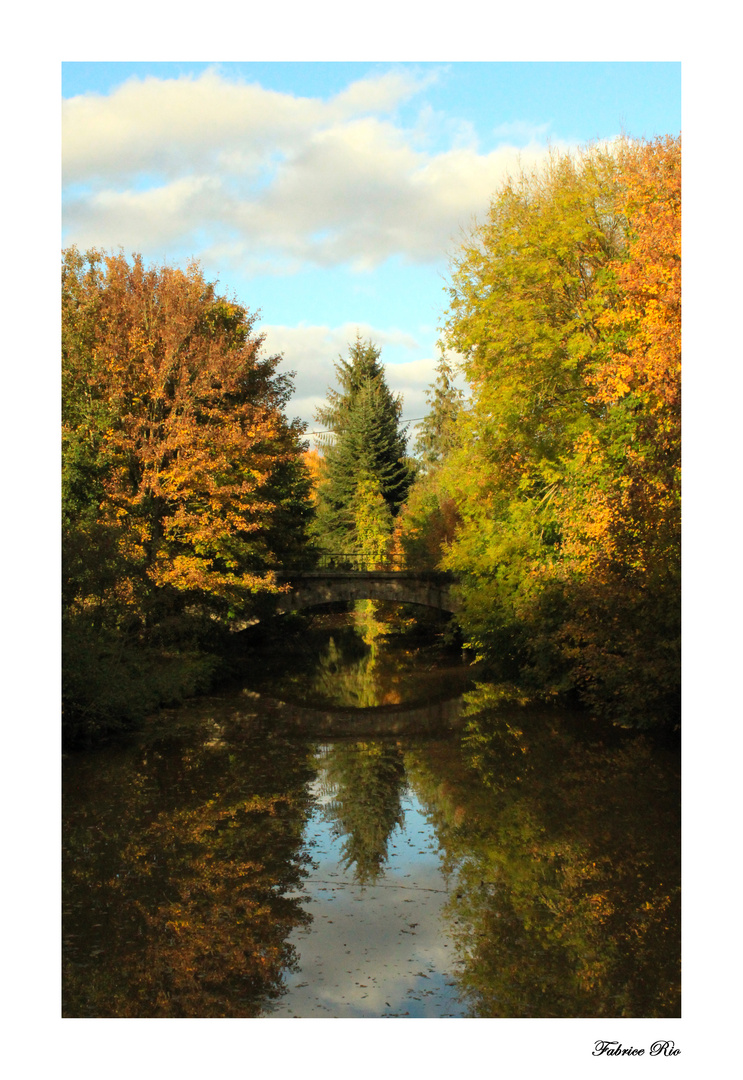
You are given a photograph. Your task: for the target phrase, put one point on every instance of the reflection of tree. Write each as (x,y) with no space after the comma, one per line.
(566,858)
(366,780)
(367,622)
(176,870)
(361,660)
(353,671)
(346,681)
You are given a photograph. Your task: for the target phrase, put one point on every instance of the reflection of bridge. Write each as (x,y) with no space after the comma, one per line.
(333,583)
(371,722)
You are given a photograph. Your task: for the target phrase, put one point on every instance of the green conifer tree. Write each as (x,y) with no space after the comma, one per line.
(429,517)
(365,440)
(436,435)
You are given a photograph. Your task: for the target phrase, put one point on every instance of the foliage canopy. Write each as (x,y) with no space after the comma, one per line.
(183,483)
(565,309)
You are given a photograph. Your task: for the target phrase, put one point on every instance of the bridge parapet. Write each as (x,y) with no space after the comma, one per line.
(359,561)
(310,588)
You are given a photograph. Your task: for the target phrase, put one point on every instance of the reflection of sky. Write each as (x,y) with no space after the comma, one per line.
(374,950)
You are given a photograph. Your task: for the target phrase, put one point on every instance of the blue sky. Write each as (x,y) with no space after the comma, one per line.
(329,195)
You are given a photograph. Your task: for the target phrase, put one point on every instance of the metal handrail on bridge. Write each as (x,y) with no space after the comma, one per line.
(359,561)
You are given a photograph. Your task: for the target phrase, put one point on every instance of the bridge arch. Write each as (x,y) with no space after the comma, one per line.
(312,588)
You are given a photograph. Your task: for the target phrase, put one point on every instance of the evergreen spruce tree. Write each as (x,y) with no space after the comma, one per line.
(427,523)
(365,444)
(437,433)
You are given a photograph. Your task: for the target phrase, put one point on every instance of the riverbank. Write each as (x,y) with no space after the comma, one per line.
(113,682)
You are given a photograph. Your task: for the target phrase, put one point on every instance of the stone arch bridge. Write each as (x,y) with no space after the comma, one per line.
(310,588)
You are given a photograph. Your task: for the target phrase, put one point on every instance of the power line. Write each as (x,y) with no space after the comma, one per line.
(331,431)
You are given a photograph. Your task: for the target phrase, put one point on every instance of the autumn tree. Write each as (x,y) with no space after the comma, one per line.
(364,453)
(564,308)
(183,484)
(313,462)
(622,508)
(428,518)
(372,521)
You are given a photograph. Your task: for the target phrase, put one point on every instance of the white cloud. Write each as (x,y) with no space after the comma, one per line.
(381,93)
(163,126)
(412,379)
(138,219)
(312,352)
(267,180)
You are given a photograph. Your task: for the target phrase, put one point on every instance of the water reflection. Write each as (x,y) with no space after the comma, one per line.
(360,660)
(566,857)
(522,865)
(179,862)
(378,949)
(365,782)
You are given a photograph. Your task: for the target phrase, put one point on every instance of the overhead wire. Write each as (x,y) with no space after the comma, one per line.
(331,431)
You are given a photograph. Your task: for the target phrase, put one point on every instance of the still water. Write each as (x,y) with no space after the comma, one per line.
(370,844)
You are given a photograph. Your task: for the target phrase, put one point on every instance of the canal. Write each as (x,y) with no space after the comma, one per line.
(356,828)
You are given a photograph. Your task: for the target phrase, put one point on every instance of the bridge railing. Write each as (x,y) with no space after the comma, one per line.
(359,561)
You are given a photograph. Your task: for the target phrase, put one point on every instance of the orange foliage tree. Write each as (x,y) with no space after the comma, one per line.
(565,309)
(177,447)
(621,511)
